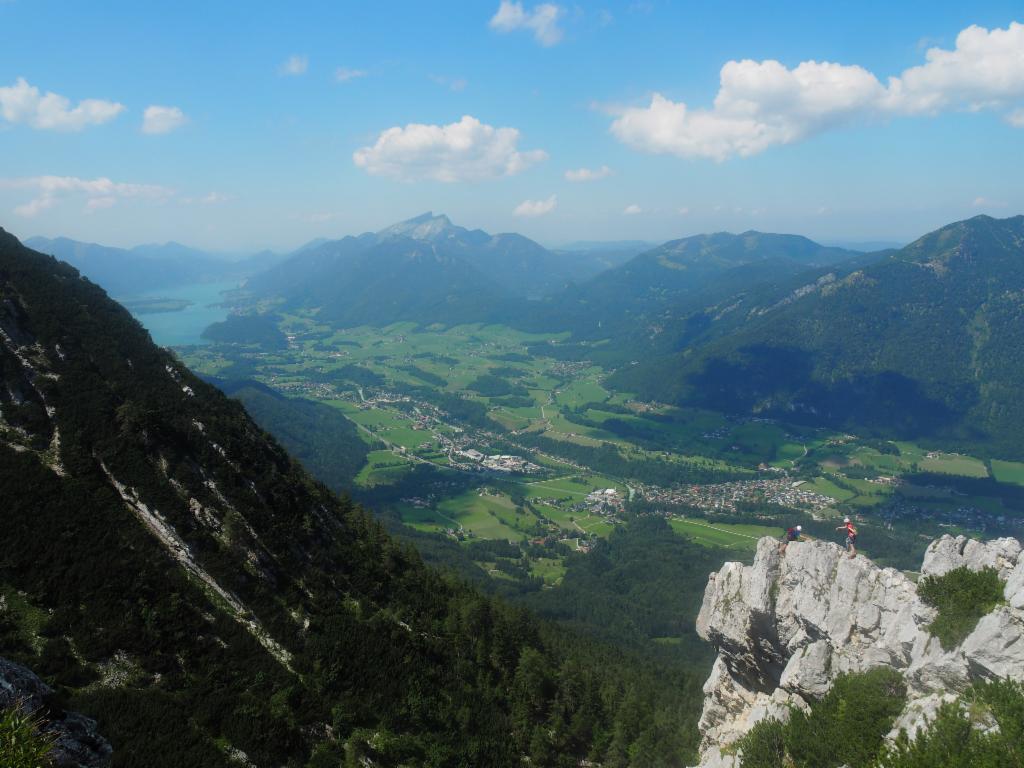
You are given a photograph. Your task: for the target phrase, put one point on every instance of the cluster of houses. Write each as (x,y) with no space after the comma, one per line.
(962,516)
(724,497)
(605,502)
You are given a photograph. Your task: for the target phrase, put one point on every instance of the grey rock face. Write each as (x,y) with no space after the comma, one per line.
(786,626)
(78,745)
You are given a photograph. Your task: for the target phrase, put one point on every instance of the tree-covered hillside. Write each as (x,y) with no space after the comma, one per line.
(924,344)
(326,443)
(644,305)
(173,573)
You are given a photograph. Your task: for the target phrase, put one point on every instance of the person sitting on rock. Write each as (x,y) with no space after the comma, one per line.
(791,534)
(851,536)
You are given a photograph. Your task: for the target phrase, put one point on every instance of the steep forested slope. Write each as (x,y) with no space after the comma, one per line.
(926,343)
(174,574)
(326,443)
(643,305)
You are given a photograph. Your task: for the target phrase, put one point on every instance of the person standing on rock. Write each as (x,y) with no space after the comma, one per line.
(791,534)
(851,536)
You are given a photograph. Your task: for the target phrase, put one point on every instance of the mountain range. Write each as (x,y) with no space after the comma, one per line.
(129,272)
(911,343)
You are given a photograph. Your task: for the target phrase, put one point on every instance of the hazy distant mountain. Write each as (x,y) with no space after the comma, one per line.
(425,269)
(128,272)
(928,341)
(515,263)
(651,291)
(380,280)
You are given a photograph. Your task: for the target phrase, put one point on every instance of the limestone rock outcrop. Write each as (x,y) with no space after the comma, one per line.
(786,626)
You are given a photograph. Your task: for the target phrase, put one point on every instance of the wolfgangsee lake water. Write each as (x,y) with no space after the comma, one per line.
(178,329)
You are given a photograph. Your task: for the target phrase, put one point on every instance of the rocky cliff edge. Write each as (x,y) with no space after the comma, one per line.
(786,626)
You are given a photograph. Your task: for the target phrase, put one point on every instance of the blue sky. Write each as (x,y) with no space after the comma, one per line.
(238,128)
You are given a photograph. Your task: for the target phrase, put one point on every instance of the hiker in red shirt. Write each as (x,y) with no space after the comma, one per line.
(851,536)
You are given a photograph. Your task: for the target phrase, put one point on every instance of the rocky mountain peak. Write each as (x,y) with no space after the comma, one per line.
(787,625)
(426,226)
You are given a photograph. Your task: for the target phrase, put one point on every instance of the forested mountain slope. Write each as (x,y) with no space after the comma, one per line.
(643,301)
(174,574)
(926,343)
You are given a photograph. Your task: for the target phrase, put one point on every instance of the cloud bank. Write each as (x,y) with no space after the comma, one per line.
(533,208)
(99,193)
(464,151)
(22,103)
(541,20)
(761,104)
(156,119)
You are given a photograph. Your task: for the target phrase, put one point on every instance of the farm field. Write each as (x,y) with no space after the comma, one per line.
(1008,471)
(382,468)
(729,535)
(954,464)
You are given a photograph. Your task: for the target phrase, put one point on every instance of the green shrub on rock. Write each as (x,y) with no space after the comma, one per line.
(961,598)
(847,726)
(962,734)
(764,745)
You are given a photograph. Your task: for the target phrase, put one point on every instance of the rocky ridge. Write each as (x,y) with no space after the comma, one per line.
(786,626)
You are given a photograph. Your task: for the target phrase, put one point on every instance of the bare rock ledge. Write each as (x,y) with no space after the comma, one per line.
(786,626)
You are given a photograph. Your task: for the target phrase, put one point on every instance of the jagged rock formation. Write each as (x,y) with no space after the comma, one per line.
(76,741)
(787,625)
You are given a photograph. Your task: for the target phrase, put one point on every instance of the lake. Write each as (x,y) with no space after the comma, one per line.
(173,329)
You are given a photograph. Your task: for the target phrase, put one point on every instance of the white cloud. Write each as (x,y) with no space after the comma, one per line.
(295,65)
(464,151)
(1016,118)
(162,119)
(344,74)
(22,103)
(764,104)
(542,20)
(632,210)
(588,174)
(684,211)
(99,193)
(531,208)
